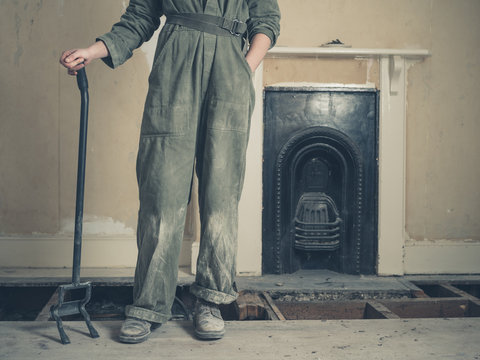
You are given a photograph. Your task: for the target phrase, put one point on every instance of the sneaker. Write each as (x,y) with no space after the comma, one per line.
(208,321)
(134,330)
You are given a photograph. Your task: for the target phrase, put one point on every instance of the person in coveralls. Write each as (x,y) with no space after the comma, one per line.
(197,111)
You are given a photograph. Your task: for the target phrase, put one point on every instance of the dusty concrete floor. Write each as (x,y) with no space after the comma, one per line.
(314,340)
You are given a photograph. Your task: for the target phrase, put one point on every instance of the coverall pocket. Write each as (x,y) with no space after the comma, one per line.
(165,38)
(249,70)
(244,62)
(165,120)
(227,116)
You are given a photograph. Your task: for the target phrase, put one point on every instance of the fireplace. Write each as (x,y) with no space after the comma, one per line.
(320,179)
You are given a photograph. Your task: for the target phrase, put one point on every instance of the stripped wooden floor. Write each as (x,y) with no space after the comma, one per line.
(424,339)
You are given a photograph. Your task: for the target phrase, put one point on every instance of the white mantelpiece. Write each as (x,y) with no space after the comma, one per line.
(282,52)
(391,223)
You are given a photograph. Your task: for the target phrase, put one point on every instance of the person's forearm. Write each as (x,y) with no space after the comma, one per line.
(98,50)
(258,49)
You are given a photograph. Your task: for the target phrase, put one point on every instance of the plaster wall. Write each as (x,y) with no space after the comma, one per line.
(442,205)
(443,172)
(39,123)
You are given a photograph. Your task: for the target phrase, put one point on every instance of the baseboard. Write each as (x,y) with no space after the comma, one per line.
(421,257)
(442,257)
(57,251)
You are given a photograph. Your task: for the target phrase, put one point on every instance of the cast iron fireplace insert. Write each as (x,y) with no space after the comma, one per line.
(320,179)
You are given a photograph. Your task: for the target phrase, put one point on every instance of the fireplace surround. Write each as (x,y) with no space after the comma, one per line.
(393,246)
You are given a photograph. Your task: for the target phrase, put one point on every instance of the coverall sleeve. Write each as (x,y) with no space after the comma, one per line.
(264,18)
(137,25)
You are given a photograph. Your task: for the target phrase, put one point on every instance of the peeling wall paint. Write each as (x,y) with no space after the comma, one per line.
(94,225)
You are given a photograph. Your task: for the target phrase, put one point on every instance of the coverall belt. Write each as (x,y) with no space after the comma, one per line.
(211,24)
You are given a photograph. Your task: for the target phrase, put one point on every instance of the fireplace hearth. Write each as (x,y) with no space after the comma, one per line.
(320,179)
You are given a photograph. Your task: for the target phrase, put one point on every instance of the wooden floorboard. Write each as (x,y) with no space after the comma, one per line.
(315,340)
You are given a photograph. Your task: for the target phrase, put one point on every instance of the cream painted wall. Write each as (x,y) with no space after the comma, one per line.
(39,137)
(40,111)
(39,121)
(443,163)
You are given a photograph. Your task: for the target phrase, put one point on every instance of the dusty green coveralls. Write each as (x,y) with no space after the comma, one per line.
(199,104)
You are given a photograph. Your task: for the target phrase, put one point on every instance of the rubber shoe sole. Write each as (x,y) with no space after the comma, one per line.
(135,331)
(129,339)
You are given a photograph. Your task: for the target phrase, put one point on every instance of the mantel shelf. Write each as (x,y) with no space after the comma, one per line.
(284,51)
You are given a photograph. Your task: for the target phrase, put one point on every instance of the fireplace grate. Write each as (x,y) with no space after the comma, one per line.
(317,223)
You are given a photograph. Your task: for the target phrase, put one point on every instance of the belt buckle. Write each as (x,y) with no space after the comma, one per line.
(234,27)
